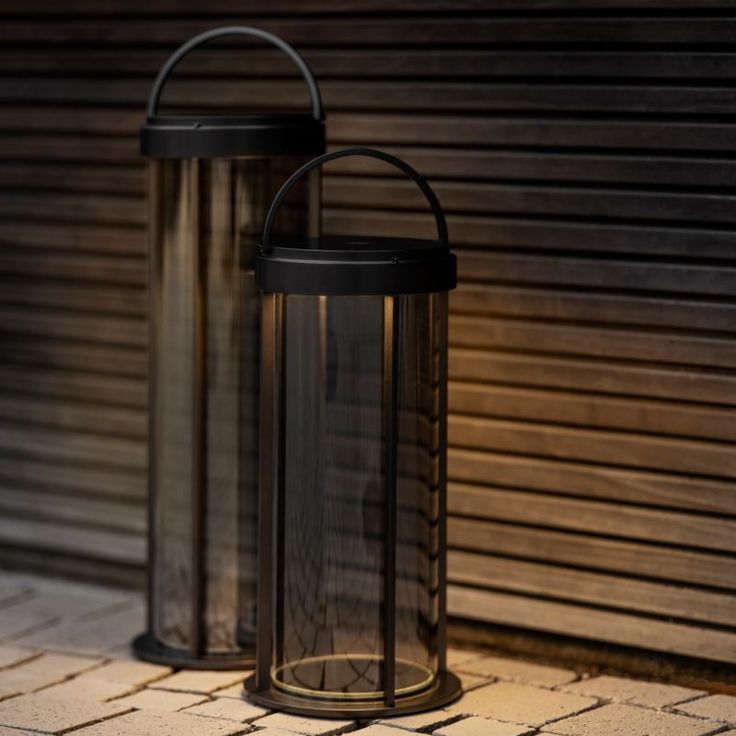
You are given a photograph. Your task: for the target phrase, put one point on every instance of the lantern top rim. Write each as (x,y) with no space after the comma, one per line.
(357,265)
(218,135)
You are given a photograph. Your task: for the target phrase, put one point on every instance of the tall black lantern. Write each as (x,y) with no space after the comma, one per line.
(352,579)
(211,178)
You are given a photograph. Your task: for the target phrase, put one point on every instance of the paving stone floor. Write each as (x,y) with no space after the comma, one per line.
(65,667)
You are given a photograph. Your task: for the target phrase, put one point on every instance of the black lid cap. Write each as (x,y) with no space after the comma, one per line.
(214,136)
(353,265)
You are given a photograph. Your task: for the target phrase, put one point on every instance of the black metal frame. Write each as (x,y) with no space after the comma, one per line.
(260,688)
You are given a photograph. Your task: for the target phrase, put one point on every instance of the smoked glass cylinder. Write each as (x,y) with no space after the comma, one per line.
(357,544)
(205,220)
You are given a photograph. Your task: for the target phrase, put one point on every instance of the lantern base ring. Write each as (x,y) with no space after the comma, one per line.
(147,648)
(446,689)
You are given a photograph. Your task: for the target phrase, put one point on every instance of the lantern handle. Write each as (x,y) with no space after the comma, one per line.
(419,180)
(202,38)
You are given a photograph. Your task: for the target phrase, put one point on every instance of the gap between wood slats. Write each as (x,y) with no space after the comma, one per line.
(591,623)
(630,595)
(594,517)
(638,559)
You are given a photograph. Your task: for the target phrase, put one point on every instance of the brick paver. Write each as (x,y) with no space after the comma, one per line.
(716,707)
(161,700)
(635,692)
(523,704)
(420,721)
(11,656)
(518,671)
(377,729)
(475,726)
(150,723)
(202,681)
(228,708)
(131,672)
(42,671)
(90,688)
(630,720)
(39,712)
(303,725)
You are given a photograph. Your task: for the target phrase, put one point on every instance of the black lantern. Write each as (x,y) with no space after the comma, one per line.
(352,578)
(211,178)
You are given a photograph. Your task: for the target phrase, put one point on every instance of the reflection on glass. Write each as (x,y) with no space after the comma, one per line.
(207,217)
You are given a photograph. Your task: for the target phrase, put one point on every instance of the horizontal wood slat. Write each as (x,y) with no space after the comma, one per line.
(584,153)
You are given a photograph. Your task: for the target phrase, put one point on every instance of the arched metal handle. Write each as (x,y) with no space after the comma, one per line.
(202,38)
(420,181)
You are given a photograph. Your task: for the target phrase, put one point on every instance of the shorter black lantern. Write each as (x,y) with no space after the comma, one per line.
(352,548)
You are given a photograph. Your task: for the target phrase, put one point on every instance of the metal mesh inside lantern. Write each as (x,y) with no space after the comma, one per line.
(352,550)
(210,181)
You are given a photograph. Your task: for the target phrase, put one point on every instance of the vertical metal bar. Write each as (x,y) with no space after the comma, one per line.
(154,199)
(280,511)
(390,439)
(440,308)
(270,417)
(199,417)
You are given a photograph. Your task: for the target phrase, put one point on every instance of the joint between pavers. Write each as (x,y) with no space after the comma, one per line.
(95,721)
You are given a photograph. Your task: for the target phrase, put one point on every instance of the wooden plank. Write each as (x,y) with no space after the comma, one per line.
(50,323)
(72,477)
(94,450)
(591,623)
(74,417)
(73,355)
(465,30)
(622,449)
(531,131)
(570,304)
(575,478)
(590,410)
(102,544)
(242,60)
(599,341)
(117,270)
(591,552)
(607,376)
(594,517)
(74,386)
(75,238)
(42,175)
(104,513)
(612,591)
(396,96)
(129,302)
(541,234)
(529,200)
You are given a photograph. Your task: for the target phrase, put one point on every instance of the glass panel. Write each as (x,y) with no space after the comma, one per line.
(328,617)
(207,218)
(330,574)
(418,482)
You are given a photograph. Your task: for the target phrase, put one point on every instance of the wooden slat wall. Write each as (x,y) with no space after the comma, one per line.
(585,154)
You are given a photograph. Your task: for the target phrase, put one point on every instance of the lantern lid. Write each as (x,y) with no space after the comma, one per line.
(354,265)
(202,135)
(211,136)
